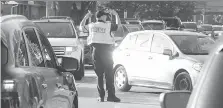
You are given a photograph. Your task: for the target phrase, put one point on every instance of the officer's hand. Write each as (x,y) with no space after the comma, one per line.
(114,12)
(89,14)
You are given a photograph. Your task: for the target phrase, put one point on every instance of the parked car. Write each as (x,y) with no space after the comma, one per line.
(218,31)
(132,21)
(63,36)
(206,29)
(163,59)
(31,76)
(207,92)
(153,25)
(190,26)
(172,23)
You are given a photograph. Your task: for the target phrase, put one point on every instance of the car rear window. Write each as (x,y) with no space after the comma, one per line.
(207,28)
(57,29)
(190,25)
(172,22)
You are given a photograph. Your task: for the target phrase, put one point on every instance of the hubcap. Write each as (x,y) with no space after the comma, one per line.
(120,78)
(184,84)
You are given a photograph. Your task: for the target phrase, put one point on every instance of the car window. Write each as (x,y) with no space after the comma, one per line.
(143,40)
(22,56)
(159,43)
(48,52)
(57,29)
(4,53)
(128,42)
(34,47)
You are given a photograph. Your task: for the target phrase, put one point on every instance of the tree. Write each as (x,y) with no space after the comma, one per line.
(147,9)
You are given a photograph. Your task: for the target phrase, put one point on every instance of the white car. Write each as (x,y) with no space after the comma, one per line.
(162,59)
(63,36)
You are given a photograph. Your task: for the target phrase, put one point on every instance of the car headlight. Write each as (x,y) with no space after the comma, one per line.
(69,49)
(8,85)
(197,66)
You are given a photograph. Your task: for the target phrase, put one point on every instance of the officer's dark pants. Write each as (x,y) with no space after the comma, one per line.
(103,63)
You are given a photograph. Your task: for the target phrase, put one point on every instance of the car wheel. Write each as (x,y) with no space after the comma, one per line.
(121,79)
(80,73)
(183,82)
(75,102)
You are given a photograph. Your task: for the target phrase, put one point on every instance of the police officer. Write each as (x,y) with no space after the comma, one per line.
(102,41)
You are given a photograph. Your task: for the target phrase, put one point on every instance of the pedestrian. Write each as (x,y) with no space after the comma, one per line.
(102,41)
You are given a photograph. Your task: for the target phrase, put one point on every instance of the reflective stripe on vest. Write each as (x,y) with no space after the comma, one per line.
(99,32)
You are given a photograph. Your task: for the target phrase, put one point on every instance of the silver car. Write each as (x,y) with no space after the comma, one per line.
(160,59)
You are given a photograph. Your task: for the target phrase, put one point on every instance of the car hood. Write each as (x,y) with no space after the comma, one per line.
(63,41)
(196,58)
(84,39)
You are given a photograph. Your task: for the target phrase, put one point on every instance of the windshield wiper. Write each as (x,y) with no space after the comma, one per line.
(196,53)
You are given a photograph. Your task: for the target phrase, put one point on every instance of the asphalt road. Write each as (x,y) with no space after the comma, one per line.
(137,97)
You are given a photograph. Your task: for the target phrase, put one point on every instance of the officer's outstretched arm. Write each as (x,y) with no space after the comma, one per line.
(117,19)
(83,25)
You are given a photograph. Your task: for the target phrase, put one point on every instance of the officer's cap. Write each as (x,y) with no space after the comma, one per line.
(101,13)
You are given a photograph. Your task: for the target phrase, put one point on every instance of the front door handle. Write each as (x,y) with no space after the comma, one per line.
(150,57)
(127,54)
(44,86)
(58,85)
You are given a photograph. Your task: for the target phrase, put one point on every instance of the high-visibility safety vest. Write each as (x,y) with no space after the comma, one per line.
(99,32)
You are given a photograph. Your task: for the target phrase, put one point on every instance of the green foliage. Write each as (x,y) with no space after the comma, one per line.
(155,8)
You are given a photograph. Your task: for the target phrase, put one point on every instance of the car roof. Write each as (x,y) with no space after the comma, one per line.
(52,20)
(206,25)
(17,22)
(170,32)
(153,21)
(189,22)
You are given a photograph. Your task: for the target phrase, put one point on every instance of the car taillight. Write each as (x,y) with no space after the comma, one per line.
(8,85)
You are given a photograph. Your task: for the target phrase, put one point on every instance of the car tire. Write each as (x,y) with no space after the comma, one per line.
(75,102)
(80,73)
(183,82)
(121,79)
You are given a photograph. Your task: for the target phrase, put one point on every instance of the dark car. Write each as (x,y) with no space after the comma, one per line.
(31,76)
(190,26)
(172,23)
(207,92)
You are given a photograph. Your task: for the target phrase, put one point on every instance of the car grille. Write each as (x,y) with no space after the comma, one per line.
(87,49)
(59,51)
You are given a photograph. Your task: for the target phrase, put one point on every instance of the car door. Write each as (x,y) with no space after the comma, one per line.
(161,63)
(29,80)
(141,56)
(125,49)
(44,64)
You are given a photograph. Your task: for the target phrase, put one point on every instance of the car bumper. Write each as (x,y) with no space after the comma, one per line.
(10,99)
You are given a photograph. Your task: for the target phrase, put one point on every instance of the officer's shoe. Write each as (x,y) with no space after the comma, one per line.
(113,99)
(100,99)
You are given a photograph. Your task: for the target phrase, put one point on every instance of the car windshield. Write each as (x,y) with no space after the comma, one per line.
(57,29)
(207,28)
(153,26)
(193,45)
(218,28)
(190,25)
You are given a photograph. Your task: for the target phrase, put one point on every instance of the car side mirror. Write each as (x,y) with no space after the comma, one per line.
(69,64)
(167,52)
(175,99)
